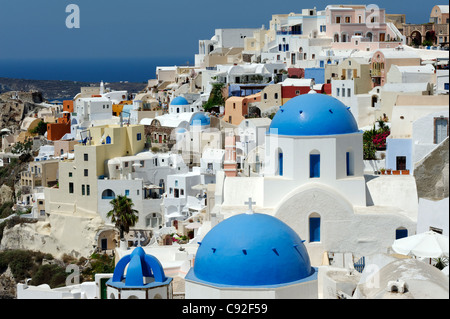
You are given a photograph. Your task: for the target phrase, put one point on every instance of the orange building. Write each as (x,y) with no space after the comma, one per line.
(55,131)
(117,108)
(236,107)
(68,106)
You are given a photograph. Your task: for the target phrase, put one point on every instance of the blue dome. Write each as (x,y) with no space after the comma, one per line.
(314,114)
(200,119)
(141,267)
(251,250)
(179,100)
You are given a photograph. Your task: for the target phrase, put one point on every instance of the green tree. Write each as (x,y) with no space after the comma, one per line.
(22,148)
(215,98)
(40,129)
(123,214)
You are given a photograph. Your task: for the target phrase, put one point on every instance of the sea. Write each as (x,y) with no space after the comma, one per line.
(89,70)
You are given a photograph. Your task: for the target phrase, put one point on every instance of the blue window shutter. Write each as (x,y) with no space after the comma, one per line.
(108,140)
(314,165)
(401,233)
(280,163)
(314,229)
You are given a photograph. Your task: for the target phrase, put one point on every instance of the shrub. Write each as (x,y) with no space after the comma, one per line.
(53,275)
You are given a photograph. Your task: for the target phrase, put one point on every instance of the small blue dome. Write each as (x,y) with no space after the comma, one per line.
(141,268)
(200,119)
(179,100)
(314,114)
(251,250)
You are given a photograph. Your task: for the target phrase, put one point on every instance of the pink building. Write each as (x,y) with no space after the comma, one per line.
(382,60)
(230,164)
(360,27)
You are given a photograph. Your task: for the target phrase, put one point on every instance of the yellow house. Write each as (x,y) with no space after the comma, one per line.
(77,192)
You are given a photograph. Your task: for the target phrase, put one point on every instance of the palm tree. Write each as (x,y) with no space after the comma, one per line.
(123,214)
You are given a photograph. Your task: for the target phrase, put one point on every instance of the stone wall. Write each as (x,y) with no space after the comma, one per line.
(431,174)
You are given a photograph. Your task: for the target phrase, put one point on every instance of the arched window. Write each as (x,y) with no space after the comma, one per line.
(108,139)
(108,194)
(275,96)
(265,96)
(336,37)
(314,228)
(401,232)
(314,164)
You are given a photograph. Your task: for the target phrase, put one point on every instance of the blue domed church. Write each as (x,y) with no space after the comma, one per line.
(251,255)
(139,276)
(314,182)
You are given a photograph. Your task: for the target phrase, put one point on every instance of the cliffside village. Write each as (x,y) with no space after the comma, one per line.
(326,131)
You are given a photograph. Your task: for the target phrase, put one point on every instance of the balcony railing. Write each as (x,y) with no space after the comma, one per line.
(289,32)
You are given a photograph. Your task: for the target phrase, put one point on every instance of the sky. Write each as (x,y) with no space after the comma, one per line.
(36,29)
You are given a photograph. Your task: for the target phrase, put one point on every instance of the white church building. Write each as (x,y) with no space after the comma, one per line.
(313,181)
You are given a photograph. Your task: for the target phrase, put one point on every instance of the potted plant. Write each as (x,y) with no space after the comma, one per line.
(382,170)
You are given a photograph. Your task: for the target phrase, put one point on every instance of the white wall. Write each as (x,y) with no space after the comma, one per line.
(433,214)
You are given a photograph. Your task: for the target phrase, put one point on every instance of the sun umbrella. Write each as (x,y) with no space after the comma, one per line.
(425,245)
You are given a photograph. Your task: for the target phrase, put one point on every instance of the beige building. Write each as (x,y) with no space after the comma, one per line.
(77,192)
(64,146)
(358,70)
(41,173)
(271,99)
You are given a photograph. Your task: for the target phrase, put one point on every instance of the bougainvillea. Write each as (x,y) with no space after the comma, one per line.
(379,139)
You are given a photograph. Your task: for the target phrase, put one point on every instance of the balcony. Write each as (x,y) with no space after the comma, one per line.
(297,32)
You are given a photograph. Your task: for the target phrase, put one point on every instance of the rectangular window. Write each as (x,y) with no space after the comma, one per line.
(70,188)
(139,137)
(176,193)
(314,165)
(349,93)
(83,190)
(85,172)
(182,192)
(70,174)
(88,190)
(337,91)
(338,19)
(86,157)
(127,192)
(440,129)
(446,86)
(280,164)
(349,164)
